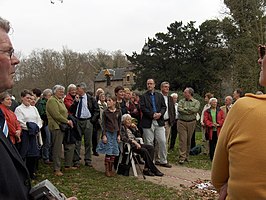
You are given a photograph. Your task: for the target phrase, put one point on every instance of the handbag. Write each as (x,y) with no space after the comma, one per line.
(63,127)
(123,169)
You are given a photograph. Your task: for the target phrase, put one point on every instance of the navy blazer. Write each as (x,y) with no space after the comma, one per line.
(14,177)
(147,111)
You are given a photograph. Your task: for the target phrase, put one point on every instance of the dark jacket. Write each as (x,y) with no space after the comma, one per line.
(29,142)
(124,134)
(171,111)
(147,111)
(15,181)
(92,106)
(72,134)
(41,107)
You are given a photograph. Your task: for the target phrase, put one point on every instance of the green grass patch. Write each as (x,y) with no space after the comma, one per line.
(87,183)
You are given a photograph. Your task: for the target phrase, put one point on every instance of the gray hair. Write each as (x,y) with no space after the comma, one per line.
(164,83)
(82,85)
(229,97)
(125,116)
(58,87)
(71,86)
(191,90)
(3,95)
(5,25)
(47,92)
(212,99)
(174,94)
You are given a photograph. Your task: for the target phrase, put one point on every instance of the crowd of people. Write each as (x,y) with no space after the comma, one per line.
(49,119)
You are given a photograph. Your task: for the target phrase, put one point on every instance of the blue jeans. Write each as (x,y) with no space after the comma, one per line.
(46,144)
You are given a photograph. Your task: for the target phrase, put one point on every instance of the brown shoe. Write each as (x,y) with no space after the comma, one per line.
(70,168)
(58,173)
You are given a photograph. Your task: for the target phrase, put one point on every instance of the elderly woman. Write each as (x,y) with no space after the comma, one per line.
(213,120)
(41,106)
(14,128)
(128,134)
(31,123)
(71,94)
(238,168)
(57,115)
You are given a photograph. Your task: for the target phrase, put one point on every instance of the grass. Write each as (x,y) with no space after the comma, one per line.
(87,183)
(200,161)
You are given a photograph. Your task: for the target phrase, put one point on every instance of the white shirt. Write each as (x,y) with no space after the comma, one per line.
(85,113)
(166,114)
(28,114)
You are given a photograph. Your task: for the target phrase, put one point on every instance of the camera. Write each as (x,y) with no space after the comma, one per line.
(45,190)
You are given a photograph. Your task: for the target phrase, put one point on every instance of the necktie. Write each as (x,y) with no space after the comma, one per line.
(5,129)
(79,107)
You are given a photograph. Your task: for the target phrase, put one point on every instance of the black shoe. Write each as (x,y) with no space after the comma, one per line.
(95,154)
(167,165)
(148,173)
(88,164)
(158,173)
(157,162)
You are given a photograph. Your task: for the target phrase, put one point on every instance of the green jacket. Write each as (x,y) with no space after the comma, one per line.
(56,112)
(187,110)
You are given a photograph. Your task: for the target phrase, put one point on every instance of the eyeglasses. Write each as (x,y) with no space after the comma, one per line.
(9,52)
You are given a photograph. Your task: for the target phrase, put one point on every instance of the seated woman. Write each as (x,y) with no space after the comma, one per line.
(129,132)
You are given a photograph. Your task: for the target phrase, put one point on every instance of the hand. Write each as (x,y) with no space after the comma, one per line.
(138,146)
(70,123)
(77,97)
(202,124)
(223,192)
(72,198)
(133,125)
(104,139)
(118,138)
(18,139)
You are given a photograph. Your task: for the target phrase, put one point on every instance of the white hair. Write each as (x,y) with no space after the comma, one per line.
(125,116)
(174,94)
(212,99)
(71,86)
(58,87)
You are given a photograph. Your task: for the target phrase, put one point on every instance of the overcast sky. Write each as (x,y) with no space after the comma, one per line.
(85,25)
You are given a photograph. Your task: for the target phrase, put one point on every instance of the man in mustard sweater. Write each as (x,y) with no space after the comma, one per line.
(238,170)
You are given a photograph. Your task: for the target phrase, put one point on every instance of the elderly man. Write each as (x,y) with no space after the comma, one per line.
(187,109)
(228,104)
(87,112)
(153,107)
(15,179)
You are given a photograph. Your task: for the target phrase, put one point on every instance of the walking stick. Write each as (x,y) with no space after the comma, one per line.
(134,157)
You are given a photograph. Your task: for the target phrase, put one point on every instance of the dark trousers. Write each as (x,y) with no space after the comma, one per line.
(193,140)
(173,135)
(212,144)
(31,163)
(147,153)
(95,137)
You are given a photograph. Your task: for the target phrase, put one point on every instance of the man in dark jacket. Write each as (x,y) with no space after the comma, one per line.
(86,110)
(153,107)
(13,172)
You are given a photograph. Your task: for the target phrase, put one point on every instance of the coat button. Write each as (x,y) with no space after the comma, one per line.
(27,182)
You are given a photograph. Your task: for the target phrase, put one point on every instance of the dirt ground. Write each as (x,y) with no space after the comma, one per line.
(177,177)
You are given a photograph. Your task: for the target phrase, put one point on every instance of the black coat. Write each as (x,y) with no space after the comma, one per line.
(147,111)
(92,106)
(14,177)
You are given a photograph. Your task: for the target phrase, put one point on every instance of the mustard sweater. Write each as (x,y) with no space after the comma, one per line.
(240,154)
